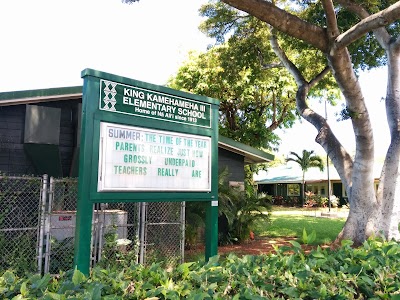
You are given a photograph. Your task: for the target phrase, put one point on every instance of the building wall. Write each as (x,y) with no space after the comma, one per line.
(13,158)
(15,161)
(234,162)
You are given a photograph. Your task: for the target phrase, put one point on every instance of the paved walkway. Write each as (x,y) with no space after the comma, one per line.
(313,212)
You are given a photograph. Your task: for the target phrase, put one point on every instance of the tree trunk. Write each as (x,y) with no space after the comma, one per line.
(389,188)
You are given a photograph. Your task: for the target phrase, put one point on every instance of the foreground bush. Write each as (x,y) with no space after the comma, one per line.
(370,271)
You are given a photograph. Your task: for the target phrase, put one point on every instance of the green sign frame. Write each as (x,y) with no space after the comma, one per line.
(131,129)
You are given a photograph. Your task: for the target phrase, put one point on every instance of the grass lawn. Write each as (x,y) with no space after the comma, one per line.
(292,225)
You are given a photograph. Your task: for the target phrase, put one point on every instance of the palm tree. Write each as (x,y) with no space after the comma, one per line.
(308,160)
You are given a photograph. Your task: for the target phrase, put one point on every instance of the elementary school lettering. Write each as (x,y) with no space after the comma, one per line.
(165,106)
(132,100)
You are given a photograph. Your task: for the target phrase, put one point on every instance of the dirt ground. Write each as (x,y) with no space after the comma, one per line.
(257,246)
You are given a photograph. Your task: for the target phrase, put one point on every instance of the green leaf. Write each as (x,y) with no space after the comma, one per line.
(393,249)
(318,254)
(304,237)
(54,296)
(213,261)
(346,243)
(291,292)
(24,290)
(40,283)
(296,245)
(78,277)
(303,275)
(312,237)
(8,277)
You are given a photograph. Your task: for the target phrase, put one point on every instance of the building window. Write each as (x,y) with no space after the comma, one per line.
(293,189)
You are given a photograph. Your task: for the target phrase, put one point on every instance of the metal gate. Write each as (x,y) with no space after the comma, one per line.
(163,232)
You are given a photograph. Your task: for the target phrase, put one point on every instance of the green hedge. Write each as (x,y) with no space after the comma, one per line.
(371,271)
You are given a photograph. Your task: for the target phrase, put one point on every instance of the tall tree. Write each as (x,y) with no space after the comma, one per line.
(306,161)
(350,35)
(254,100)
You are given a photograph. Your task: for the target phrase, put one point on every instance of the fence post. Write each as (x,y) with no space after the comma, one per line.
(42,226)
(183,220)
(48,225)
(142,232)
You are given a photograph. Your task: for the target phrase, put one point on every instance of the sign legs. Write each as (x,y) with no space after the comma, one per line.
(211,230)
(83,236)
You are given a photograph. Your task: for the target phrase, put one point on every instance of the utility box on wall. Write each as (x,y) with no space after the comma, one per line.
(42,125)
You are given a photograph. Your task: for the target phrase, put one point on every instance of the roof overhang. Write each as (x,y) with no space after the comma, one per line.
(251,155)
(42,95)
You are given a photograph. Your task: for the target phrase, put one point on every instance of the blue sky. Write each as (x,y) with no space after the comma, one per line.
(47,43)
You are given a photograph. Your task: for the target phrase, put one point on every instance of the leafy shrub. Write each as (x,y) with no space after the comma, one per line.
(313,200)
(370,271)
(334,201)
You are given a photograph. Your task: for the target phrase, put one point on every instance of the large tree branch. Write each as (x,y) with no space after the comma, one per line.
(298,77)
(274,125)
(331,22)
(283,21)
(326,138)
(375,23)
(319,76)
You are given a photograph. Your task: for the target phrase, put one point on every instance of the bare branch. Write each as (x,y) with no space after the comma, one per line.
(319,76)
(267,66)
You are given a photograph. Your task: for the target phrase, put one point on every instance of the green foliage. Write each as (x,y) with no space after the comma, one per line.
(123,251)
(241,208)
(308,238)
(306,160)
(313,200)
(370,271)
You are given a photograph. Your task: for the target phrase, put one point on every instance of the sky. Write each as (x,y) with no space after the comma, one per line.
(47,43)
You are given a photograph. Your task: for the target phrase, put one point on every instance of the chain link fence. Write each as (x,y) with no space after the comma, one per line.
(164,232)
(20,218)
(37,227)
(61,217)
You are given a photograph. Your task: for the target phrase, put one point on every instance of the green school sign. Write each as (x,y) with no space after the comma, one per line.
(136,101)
(142,142)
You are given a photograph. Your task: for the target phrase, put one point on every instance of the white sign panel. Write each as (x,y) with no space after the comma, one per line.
(141,159)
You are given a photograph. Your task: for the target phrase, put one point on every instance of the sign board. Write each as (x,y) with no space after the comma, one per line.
(142,142)
(136,101)
(141,159)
